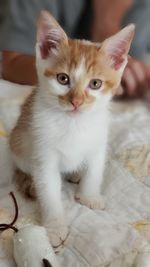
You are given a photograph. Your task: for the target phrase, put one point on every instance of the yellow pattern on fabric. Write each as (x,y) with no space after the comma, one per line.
(137,160)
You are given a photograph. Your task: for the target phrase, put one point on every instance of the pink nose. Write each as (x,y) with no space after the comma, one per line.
(76,102)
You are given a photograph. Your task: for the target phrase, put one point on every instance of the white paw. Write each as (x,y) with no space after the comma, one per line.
(92,202)
(57,232)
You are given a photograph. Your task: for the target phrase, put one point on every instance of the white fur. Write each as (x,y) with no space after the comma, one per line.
(65,141)
(80,70)
(62,139)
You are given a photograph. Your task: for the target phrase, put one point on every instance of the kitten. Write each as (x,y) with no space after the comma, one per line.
(64,123)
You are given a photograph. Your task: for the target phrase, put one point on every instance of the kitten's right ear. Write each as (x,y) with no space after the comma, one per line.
(50,35)
(116,47)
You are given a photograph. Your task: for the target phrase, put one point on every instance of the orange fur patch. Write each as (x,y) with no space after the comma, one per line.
(77,95)
(96,65)
(49,73)
(17,134)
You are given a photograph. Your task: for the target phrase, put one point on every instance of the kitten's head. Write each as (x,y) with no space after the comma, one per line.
(76,75)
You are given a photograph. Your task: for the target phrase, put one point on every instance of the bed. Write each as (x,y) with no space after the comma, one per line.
(118,236)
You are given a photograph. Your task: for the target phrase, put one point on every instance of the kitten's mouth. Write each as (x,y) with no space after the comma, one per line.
(75,109)
(78,109)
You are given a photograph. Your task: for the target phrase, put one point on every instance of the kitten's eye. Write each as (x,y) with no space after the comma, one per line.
(63,78)
(95,84)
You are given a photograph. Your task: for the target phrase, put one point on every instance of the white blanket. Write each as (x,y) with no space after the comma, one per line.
(116,237)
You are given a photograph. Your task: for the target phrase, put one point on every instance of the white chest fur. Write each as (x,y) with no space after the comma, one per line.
(72,137)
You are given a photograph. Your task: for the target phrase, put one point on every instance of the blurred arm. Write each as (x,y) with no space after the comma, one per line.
(18,68)
(107,17)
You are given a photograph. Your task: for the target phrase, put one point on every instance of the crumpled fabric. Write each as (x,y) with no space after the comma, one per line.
(115,237)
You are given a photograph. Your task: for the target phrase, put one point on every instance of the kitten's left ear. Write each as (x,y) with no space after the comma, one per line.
(50,35)
(116,47)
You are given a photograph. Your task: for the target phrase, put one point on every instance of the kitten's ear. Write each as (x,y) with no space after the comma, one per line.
(116,47)
(50,35)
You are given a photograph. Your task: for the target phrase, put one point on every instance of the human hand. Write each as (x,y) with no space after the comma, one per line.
(135,80)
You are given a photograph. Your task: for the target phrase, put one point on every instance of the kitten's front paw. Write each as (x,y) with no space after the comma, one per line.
(57,232)
(92,202)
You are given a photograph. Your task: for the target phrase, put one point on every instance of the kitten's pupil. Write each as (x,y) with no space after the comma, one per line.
(63,78)
(95,84)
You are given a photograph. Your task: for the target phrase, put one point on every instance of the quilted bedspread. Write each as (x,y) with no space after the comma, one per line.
(117,236)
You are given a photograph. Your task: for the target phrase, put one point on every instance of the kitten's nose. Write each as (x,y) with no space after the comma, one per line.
(76,102)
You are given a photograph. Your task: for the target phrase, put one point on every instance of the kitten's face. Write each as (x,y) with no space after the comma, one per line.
(78,75)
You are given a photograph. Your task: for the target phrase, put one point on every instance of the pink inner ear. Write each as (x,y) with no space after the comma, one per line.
(49,35)
(45,48)
(117,47)
(118,56)
(48,40)
(46,43)
(118,63)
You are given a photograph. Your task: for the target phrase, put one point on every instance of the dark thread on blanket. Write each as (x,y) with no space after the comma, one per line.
(5,226)
(46,263)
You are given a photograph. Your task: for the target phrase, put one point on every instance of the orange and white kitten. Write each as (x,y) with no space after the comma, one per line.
(64,122)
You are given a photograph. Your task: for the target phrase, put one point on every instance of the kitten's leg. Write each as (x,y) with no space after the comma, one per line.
(48,188)
(88,193)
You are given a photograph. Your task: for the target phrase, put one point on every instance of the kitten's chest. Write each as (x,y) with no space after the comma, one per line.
(76,143)
(73,149)
(72,139)
(77,133)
